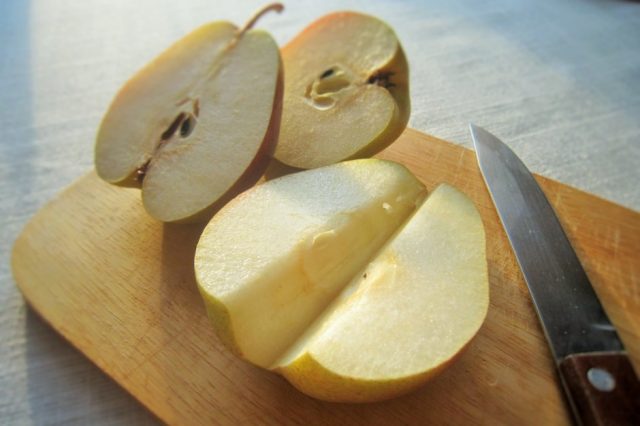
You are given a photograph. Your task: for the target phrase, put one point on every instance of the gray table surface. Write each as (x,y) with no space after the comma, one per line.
(558,80)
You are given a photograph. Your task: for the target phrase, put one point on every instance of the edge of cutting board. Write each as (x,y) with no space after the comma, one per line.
(120,287)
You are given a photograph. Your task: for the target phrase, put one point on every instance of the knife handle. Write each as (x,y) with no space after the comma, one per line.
(602,388)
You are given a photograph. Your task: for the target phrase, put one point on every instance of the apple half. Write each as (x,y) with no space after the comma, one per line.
(198,124)
(346,279)
(346,91)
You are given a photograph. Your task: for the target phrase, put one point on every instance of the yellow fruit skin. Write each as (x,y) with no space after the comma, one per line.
(313,379)
(221,320)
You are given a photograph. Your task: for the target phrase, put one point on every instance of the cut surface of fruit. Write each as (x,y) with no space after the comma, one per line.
(197,123)
(276,256)
(344,280)
(346,91)
(145,108)
(406,315)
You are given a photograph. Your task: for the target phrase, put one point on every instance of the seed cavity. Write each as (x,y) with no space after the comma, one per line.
(332,84)
(186,128)
(326,74)
(183,124)
(322,92)
(173,127)
(326,90)
(323,102)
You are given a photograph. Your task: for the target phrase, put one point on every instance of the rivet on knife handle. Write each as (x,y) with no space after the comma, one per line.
(599,381)
(602,388)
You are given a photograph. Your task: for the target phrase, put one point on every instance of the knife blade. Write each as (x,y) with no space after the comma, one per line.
(597,376)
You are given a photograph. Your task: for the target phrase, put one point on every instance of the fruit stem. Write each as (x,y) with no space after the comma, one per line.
(278,7)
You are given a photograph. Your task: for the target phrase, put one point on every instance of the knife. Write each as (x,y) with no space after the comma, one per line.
(598,379)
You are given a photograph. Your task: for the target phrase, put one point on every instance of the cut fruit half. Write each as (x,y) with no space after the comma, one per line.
(198,124)
(275,257)
(344,280)
(406,316)
(346,91)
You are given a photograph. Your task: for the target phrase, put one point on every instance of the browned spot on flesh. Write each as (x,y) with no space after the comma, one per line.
(196,107)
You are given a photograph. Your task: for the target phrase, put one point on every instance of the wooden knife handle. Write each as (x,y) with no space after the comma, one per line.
(602,388)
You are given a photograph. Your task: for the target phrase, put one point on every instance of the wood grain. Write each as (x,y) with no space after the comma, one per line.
(120,287)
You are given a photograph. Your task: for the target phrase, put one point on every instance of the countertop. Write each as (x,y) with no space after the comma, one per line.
(558,81)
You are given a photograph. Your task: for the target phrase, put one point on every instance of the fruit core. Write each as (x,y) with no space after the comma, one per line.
(182,126)
(188,108)
(336,81)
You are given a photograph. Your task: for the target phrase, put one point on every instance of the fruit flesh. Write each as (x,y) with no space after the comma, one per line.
(125,139)
(276,280)
(197,125)
(236,103)
(346,91)
(407,314)
(397,312)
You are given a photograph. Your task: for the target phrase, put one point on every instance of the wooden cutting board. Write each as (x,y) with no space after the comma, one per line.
(120,287)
